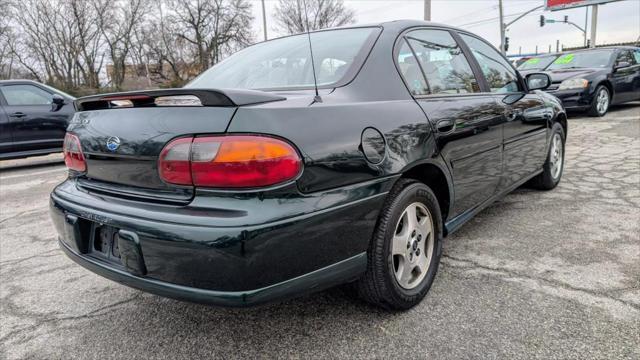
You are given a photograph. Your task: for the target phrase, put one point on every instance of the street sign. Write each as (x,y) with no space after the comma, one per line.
(554,5)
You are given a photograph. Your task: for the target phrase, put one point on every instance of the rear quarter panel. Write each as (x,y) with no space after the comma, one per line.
(329,137)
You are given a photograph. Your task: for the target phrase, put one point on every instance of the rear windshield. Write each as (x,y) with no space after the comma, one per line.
(537,63)
(284,63)
(583,59)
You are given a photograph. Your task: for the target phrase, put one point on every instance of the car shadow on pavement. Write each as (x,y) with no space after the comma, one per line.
(30,163)
(612,110)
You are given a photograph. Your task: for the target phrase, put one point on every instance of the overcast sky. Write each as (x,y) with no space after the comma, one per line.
(617,21)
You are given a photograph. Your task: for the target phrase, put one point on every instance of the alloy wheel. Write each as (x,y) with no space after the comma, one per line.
(556,155)
(412,246)
(602,101)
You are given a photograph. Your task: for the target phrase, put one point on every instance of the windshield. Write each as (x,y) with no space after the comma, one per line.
(583,59)
(284,63)
(537,63)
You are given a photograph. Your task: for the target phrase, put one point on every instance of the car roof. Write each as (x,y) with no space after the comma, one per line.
(603,48)
(393,26)
(41,85)
(18,81)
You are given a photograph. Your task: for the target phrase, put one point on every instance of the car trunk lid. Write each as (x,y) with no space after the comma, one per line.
(121,144)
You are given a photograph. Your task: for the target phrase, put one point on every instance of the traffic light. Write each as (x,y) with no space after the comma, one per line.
(541,20)
(506,44)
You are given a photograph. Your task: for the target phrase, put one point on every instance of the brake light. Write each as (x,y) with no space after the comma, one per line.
(73,156)
(236,161)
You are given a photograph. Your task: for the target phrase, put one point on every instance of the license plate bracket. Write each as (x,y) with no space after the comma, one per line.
(104,243)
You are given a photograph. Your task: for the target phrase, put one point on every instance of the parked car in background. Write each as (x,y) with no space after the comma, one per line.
(33,118)
(536,63)
(592,80)
(282,170)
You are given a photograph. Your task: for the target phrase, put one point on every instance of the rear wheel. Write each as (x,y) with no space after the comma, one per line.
(404,253)
(601,102)
(553,167)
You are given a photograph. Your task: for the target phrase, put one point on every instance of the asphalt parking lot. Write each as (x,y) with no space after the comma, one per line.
(537,275)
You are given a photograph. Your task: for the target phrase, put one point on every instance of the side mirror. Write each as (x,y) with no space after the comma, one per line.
(57,102)
(621,65)
(538,81)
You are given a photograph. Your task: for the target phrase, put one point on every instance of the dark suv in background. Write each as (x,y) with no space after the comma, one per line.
(592,80)
(33,118)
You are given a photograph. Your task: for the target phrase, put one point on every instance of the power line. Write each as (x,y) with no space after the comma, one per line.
(479,22)
(492,7)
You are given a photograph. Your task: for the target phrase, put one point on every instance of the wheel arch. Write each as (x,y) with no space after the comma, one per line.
(561,118)
(436,178)
(606,83)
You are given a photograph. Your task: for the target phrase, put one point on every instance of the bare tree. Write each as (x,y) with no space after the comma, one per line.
(48,44)
(291,15)
(117,22)
(211,27)
(140,43)
(7,37)
(90,59)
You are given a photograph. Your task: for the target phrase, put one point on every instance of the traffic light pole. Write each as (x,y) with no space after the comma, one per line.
(544,21)
(503,26)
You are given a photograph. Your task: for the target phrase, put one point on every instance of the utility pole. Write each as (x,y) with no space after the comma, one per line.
(501,27)
(594,24)
(264,21)
(586,22)
(427,10)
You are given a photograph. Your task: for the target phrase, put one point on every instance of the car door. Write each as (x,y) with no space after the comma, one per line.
(467,122)
(6,141)
(527,118)
(636,76)
(625,79)
(34,122)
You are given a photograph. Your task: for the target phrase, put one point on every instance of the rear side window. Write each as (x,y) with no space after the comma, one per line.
(444,65)
(285,62)
(410,70)
(25,95)
(499,73)
(636,55)
(626,56)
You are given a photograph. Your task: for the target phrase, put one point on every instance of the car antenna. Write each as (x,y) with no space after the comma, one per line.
(317,98)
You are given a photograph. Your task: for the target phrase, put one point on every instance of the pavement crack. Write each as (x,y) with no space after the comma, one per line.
(41,255)
(553,283)
(17,215)
(92,314)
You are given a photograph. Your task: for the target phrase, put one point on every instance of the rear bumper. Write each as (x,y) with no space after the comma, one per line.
(317,280)
(574,99)
(234,256)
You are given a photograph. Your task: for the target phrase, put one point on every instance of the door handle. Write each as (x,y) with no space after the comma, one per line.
(513,114)
(18,114)
(445,126)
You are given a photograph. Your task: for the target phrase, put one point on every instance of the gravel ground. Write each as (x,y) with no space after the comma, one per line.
(537,275)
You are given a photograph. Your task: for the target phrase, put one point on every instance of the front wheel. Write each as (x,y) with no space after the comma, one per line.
(601,102)
(554,165)
(404,253)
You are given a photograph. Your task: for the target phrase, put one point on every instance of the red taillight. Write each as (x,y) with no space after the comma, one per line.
(174,164)
(235,161)
(73,156)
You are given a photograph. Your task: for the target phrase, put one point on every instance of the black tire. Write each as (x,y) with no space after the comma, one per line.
(593,110)
(546,179)
(379,285)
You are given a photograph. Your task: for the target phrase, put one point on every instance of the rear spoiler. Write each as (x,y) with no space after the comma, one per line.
(147,98)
